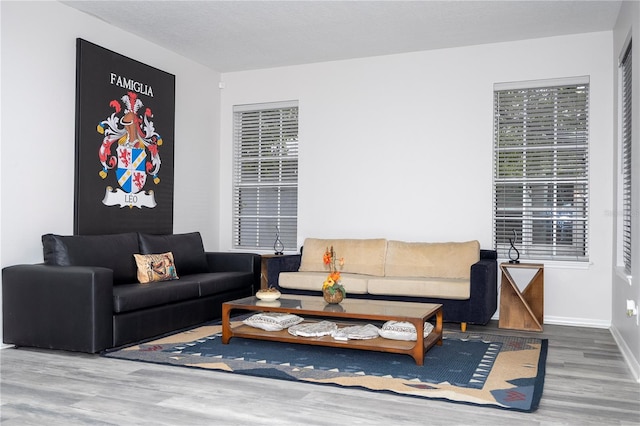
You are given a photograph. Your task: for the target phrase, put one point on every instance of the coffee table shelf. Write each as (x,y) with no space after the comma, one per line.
(348,311)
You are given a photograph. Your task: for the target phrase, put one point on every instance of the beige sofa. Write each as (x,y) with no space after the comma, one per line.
(459,275)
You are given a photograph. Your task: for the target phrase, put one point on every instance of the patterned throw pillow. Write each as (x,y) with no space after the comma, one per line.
(155,267)
(272,321)
(396,330)
(313,329)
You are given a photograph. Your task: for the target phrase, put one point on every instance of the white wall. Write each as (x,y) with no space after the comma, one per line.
(625,329)
(397,146)
(1,344)
(38,119)
(401,147)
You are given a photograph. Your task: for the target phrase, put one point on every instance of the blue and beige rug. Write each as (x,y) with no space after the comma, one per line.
(485,370)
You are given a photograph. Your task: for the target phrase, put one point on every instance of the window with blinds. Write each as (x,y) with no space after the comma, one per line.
(626,117)
(541,169)
(265,175)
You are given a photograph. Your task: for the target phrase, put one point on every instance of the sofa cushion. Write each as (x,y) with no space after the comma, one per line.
(353,283)
(114,251)
(442,260)
(187,249)
(273,321)
(131,297)
(364,256)
(221,282)
(403,330)
(440,288)
(155,267)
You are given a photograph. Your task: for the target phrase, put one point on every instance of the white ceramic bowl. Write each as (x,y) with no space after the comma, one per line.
(271,303)
(268,295)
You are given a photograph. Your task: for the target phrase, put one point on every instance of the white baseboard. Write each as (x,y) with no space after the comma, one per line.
(634,364)
(577,322)
(573,322)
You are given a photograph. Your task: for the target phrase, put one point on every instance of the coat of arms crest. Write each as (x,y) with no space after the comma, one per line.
(137,155)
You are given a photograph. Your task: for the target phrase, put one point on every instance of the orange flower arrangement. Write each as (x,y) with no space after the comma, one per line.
(332,283)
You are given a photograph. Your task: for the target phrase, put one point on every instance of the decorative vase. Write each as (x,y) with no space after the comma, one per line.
(333,307)
(334,298)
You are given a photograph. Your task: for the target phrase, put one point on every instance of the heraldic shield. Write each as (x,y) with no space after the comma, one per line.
(131,174)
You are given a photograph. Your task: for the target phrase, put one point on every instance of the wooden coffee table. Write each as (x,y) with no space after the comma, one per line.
(313,308)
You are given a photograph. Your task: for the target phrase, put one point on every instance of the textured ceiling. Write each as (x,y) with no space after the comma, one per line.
(241,35)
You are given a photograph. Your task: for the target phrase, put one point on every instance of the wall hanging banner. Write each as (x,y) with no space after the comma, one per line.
(125,112)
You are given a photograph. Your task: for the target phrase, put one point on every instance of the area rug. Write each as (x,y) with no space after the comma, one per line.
(485,370)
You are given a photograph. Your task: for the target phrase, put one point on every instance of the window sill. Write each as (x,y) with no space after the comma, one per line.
(620,272)
(555,264)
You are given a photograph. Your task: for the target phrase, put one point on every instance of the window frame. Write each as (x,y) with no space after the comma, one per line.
(541,192)
(265,176)
(625,197)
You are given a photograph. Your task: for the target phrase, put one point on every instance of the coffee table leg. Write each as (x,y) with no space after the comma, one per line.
(418,349)
(226,324)
(438,328)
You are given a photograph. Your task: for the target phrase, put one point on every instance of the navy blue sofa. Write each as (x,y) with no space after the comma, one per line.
(478,309)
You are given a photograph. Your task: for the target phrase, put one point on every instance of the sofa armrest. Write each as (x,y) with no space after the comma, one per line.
(284,263)
(58,307)
(235,262)
(484,288)
(488,254)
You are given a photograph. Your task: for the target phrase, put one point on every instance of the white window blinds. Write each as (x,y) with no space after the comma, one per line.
(265,179)
(541,169)
(626,158)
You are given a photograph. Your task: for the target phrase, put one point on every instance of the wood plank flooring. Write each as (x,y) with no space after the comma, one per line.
(587,382)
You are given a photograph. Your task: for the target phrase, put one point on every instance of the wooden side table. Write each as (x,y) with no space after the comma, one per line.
(264,280)
(522,310)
